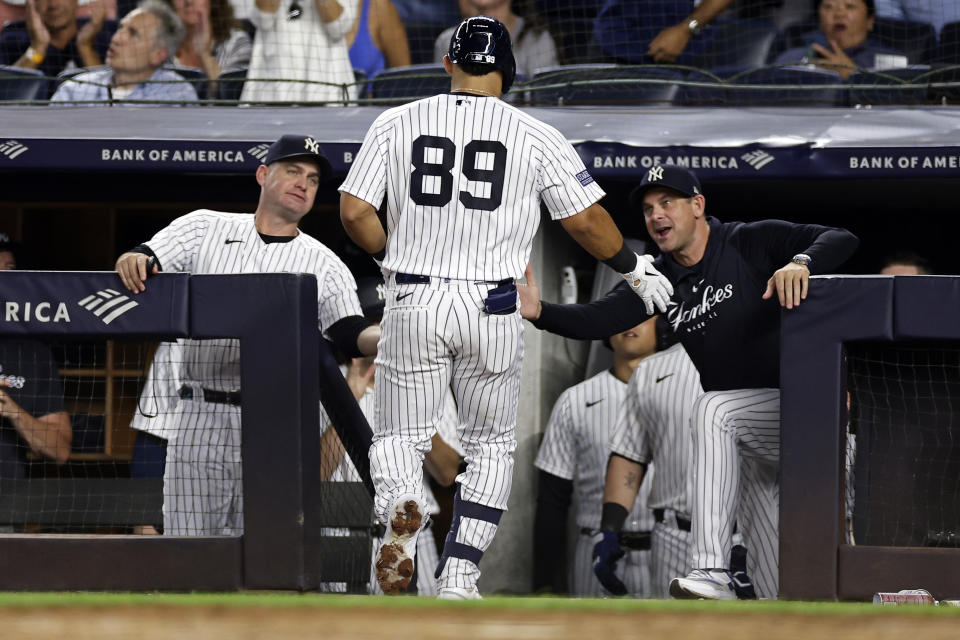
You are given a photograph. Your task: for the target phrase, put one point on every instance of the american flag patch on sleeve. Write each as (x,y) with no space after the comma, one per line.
(584,177)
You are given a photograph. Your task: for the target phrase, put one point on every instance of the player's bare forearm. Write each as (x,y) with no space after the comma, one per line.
(368,339)
(49,435)
(331,453)
(595,231)
(442,462)
(622,481)
(361,223)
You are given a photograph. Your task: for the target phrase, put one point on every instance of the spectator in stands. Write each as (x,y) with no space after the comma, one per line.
(933,12)
(655,30)
(303,42)
(147,38)
(53,39)
(842,43)
(906,263)
(214,40)
(533,46)
(377,39)
(33,419)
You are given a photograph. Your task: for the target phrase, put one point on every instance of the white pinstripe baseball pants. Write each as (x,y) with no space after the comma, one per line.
(736,460)
(203,477)
(669,557)
(436,336)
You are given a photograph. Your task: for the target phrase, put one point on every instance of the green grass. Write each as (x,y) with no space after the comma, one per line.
(502,603)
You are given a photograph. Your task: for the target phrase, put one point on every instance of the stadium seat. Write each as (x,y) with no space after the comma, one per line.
(230,84)
(829,92)
(917,40)
(741,43)
(401,84)
(602,84)
(706,90)
(888,92)
(949,51)
(22,85)
(943,95)
(196,77)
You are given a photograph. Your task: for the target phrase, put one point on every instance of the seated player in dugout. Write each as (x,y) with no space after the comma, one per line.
(573,455)
(33,421)
(203,490)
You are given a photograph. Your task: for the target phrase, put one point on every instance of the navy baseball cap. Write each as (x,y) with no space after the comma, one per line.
(297,146)
(680,180)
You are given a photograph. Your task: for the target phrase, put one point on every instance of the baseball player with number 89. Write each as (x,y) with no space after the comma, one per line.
(463,174)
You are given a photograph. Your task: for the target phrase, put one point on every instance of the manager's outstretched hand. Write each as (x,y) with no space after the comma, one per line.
(651,285)
(529,294)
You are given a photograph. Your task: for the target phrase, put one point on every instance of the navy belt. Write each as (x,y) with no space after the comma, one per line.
(682,523)
(634,540)
(211,395)
(412,278)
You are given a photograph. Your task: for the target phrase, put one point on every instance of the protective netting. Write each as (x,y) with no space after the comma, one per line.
(595,52)
(903,410)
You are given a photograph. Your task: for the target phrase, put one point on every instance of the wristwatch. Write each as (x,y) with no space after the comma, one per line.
(801,258)
(695,26)
(35,55)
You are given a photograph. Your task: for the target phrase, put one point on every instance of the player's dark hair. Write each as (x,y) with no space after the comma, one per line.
(869,3)
(478,68)
(924,267)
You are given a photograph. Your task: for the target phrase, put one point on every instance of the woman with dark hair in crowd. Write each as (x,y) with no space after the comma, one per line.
(533,46)
(842,43)
(215,40)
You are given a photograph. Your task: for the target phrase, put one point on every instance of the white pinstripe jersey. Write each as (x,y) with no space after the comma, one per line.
(159,396)
(209,242)
(655,425)
(464,176)
(447,429)
(576,446)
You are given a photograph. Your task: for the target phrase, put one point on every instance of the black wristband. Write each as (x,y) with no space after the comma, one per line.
(613,517)
(380,255)
(624,261)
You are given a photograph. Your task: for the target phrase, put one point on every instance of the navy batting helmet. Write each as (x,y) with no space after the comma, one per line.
(484,41)
(372,296)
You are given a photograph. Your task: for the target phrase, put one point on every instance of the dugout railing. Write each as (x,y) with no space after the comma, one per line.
(818,560)
(285,369)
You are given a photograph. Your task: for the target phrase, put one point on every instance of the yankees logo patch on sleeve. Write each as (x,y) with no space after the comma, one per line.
(584,177)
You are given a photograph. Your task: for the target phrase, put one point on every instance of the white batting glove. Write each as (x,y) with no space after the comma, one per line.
(651,285)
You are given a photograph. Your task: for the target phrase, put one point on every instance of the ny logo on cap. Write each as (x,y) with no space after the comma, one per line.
(311,145)
(655,173)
